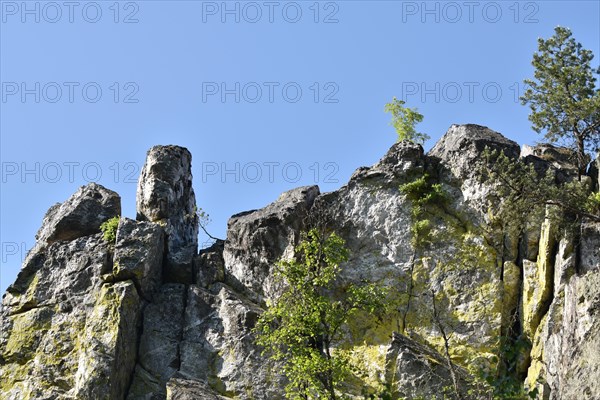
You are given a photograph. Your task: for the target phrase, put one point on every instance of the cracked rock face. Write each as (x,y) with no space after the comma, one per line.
(165,195)
(150,318)
(138,255)
(257,239)
(66,333)
(565,358)
(419,372)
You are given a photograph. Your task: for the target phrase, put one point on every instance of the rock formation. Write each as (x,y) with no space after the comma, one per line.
(149,317)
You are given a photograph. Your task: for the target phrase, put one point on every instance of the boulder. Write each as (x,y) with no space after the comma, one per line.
(81,215)
(416,371)
(186,389)
(461,148)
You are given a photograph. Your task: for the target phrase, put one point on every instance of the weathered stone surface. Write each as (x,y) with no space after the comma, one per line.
(512,282)
(372,216)
(462,145)
(159,354)
(218,345)
(590,246)
(457,157)
(557,160)
(109,343)
(551,153)
(538,281)
(64,333)
(416,371)
(72,323)
(209,266)
(165,195)
(595,173)
(138,255)
(565,358)
(374,219)
(185,389)
(81,215)
(404,159)
(257,239)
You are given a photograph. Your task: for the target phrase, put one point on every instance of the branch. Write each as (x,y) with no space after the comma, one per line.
(573,209)
(208,234)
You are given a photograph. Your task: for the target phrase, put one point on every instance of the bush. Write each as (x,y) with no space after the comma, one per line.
(109,229)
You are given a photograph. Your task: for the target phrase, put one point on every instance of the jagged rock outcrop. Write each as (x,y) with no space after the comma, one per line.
(461,147)
(149,317)
(81,215)
(565,358)
(270,233)
(165,195)
(66,333)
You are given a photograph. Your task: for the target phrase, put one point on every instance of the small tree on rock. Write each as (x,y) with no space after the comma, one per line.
(404,120)
(302,327)
(563,97)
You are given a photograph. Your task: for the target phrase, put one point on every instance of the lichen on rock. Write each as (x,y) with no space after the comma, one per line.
(149,317)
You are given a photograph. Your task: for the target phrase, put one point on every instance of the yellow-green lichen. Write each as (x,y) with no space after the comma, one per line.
(538,281)
(27,330)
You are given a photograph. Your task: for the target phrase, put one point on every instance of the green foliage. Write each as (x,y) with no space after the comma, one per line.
(427,200)
(506,385)
(593,203)
(562,97)
(523,197)
(302,327)
(109,229)
(523,194)
(520,193)
(404,120)
(203,220)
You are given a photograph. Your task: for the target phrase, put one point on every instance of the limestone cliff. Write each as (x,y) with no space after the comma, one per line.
(150,317)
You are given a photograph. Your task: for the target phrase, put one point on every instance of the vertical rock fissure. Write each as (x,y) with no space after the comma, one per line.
(514,329)
(545,306)
(181,334)
(140,332)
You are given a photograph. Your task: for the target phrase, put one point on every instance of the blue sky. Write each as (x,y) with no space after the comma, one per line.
(267,96)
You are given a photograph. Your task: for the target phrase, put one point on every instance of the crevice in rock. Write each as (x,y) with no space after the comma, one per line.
(180,336)
(30,306)
(516,331)
(545,304)
(139,333)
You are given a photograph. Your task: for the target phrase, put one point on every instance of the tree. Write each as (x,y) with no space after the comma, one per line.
(522,193)
(303,325)
(562,97)
(404,120)
(203,220)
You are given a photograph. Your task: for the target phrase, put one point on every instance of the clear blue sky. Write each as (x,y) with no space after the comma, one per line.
(223,80)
